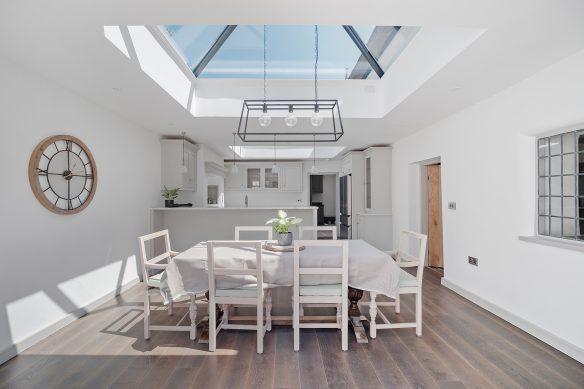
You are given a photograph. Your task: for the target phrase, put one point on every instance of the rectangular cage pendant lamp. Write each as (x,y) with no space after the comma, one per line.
(330,128)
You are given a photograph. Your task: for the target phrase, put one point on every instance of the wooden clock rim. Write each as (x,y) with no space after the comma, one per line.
(34,181)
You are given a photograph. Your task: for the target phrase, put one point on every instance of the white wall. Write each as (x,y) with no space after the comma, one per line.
(488,168)
(54,266)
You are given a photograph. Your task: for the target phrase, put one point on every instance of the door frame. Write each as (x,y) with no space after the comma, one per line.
(337,194)
(423,196)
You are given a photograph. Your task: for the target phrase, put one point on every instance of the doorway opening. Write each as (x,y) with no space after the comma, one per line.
(323,194)
(430,194)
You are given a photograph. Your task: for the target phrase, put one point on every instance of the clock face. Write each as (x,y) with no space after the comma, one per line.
(62,174)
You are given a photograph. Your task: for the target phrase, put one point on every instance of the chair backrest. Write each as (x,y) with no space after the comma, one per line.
(303,229)
(154,263)
(412,241)
(342,270)
(267,229)
(240,248)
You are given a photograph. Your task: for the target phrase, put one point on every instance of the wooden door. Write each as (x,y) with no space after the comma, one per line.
(435,256)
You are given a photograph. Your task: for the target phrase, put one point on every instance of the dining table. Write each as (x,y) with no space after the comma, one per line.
(370,269)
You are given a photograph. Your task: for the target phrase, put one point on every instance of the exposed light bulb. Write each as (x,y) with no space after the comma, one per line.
(316,119)
(265,119)
(183,168)
(291,119)
(233,169)
(313,169)
(275,168)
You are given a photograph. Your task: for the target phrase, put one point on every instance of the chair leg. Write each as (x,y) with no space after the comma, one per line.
(147,313)
(260,328)
(225,319)
(397,304)
(419,313)
(269,310)
(193,317)
(373,315)
(170,308)
(345,327)
(339,314)
(212,326)
(296,324)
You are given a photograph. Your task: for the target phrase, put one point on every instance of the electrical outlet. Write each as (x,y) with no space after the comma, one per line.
(473,261)
(452,205)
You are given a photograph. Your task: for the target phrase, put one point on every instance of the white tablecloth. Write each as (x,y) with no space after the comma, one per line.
(369,269)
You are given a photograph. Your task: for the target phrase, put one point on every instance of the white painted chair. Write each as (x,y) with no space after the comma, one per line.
(408,283)
(315,229)
(239,229)
(321,294)
(152,282)
(256,295)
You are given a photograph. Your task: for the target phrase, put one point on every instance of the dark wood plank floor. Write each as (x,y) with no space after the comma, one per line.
(462,346)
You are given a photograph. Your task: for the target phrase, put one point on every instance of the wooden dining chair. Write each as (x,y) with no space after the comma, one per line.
(315,229)
(256,295)
(409,241)
(157,265)
(321,294)
(239,229)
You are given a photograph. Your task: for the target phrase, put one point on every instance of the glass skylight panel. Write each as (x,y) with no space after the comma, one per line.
(192,41)
(290,51)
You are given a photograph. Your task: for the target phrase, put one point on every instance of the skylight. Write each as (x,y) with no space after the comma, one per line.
(217,51)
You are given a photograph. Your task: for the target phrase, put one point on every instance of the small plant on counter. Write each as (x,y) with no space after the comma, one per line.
(169,196)
(282,225)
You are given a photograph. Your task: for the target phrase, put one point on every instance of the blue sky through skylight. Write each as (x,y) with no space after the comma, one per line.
(290,50)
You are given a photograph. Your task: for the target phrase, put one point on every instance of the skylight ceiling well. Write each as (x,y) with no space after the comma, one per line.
(215,51)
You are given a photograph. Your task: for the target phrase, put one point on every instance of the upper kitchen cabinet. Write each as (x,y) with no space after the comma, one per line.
(291,177)
(378,179)
(179,164)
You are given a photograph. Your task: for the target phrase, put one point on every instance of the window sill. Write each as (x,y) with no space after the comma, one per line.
(554,242)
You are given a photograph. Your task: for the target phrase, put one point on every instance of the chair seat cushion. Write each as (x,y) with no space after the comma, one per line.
(406,280)
(246,291)
(321,290)
(155,280)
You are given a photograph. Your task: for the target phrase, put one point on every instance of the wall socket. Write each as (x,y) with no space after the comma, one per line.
(452,205)
(473,261)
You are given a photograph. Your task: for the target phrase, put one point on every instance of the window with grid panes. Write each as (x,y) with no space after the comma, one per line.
(561,185)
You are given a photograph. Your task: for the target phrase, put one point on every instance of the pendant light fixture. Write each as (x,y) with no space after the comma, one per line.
(183,167)
(291,118)
(265,119)
(274,166)
(313,169)
(316,119)
(233,169)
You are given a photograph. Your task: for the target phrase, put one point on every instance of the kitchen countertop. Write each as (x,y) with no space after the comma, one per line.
(229,208)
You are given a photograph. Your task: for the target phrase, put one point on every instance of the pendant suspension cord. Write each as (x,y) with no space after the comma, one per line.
(183,147)
(316,63)
(274,149)
(314,151)
(234,148)
(265,83)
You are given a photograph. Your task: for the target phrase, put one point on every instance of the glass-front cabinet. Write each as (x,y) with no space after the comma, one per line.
(262,178)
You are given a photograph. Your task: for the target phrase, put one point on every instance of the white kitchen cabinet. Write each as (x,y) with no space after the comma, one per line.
(291,177)
(378,179)
(173,155)
(235,181)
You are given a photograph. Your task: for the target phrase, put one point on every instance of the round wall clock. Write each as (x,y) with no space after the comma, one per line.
(62,174)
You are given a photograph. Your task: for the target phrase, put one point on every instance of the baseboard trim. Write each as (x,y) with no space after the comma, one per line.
(545,336)
(16,348)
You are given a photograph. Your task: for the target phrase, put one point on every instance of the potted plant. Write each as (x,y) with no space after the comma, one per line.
(169,196)
(282,225)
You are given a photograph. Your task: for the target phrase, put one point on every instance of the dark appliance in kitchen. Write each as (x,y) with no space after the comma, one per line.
(345,206)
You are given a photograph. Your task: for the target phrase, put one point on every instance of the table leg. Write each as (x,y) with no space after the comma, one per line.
(204,338)
(355,314)
(373,314)
(193,317)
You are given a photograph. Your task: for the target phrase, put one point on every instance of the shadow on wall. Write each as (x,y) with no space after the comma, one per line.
(58,294)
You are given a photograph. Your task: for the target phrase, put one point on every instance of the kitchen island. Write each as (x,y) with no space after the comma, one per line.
(188,226)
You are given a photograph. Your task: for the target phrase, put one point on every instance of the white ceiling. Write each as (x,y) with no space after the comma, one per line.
(64,41)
